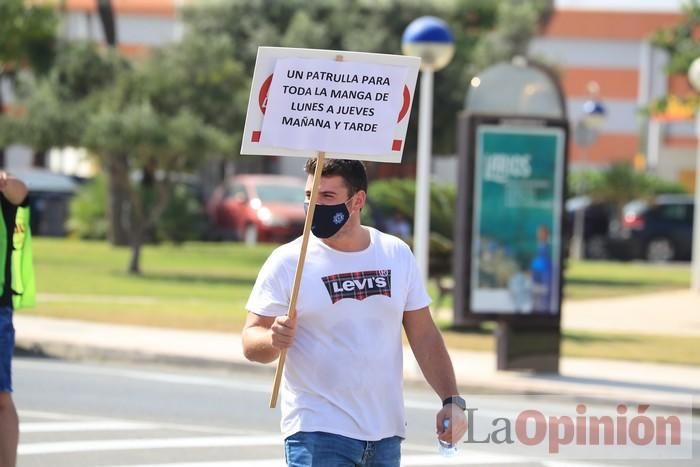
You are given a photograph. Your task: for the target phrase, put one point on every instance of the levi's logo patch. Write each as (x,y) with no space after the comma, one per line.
(358,285)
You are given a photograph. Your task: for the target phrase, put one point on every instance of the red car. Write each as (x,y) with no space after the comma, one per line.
(266,208)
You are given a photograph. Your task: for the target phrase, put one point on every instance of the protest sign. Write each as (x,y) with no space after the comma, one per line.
(305,100)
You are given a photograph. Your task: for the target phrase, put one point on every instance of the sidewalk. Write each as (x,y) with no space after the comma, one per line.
(674,313)
(615,381)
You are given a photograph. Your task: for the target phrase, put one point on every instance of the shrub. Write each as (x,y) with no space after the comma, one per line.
(88,211)
(620,183)
(184,217)
(182,220)
(389,196)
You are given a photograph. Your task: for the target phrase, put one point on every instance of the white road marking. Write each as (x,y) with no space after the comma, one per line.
(158,443)
(462,458)
(159,425)
(146,375)
(407,461)
(243,463)
(52,415)
(106,425)
(571,464)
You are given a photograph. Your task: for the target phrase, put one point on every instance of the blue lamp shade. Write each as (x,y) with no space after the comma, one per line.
(594,113)
(430,38)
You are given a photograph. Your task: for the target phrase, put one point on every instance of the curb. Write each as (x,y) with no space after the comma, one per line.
(83,353)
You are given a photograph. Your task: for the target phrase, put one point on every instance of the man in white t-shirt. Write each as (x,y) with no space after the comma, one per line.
(342,392)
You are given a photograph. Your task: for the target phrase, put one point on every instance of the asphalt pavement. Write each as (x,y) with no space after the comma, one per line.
(81,414)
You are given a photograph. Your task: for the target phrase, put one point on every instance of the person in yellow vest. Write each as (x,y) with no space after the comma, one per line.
(14,194)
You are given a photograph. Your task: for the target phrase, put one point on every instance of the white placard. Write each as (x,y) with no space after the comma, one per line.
(332,106)
(304,100)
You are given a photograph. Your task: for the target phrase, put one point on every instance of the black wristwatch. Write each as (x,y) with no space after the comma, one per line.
(456,400)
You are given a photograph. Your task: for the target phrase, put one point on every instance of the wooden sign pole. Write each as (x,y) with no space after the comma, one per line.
(292,310)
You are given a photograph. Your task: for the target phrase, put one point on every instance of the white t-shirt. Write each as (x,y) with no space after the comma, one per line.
(344,371)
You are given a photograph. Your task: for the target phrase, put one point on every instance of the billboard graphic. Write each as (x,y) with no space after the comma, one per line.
(516,239)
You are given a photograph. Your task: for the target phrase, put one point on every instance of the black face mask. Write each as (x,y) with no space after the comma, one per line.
(328,219)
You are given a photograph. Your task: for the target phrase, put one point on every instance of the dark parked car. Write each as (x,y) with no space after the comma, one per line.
(267,208)
(49,199)
(657,231)
(596,223)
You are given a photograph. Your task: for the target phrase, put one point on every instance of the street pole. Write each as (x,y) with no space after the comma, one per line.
(695,265)
(430,38)
(421,223)
(578,247)
(586,135)
(694,78)
(578,250)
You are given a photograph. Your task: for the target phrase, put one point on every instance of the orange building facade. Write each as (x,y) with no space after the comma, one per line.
(608,43)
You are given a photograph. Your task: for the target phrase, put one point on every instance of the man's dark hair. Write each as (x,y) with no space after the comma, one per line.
(353,172)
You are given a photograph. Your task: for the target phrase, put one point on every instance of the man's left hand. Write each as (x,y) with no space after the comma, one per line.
(458,424)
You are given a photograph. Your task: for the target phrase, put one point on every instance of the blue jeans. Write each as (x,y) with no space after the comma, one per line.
(319,449)
(7,346)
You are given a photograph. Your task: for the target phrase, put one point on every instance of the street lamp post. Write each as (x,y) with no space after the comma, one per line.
(430,38)
(694,78)
(586,135)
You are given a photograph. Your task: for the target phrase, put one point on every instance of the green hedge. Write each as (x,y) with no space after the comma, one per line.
(388,196)
(182,220)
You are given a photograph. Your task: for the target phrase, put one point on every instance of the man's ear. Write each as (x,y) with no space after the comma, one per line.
(360,199)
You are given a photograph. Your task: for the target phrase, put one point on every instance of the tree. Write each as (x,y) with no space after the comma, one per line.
(680,41)
(58,105)
(116,168)
(682,45)
(183,105)
(515,23)
(200,74)
(149,121)
(159,147)
(28,34)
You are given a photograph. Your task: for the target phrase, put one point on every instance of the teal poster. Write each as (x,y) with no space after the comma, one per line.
(516,238)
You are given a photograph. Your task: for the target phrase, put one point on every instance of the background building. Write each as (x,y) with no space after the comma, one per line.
(608,43)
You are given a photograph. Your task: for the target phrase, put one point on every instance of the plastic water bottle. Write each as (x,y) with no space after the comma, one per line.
(446,449)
